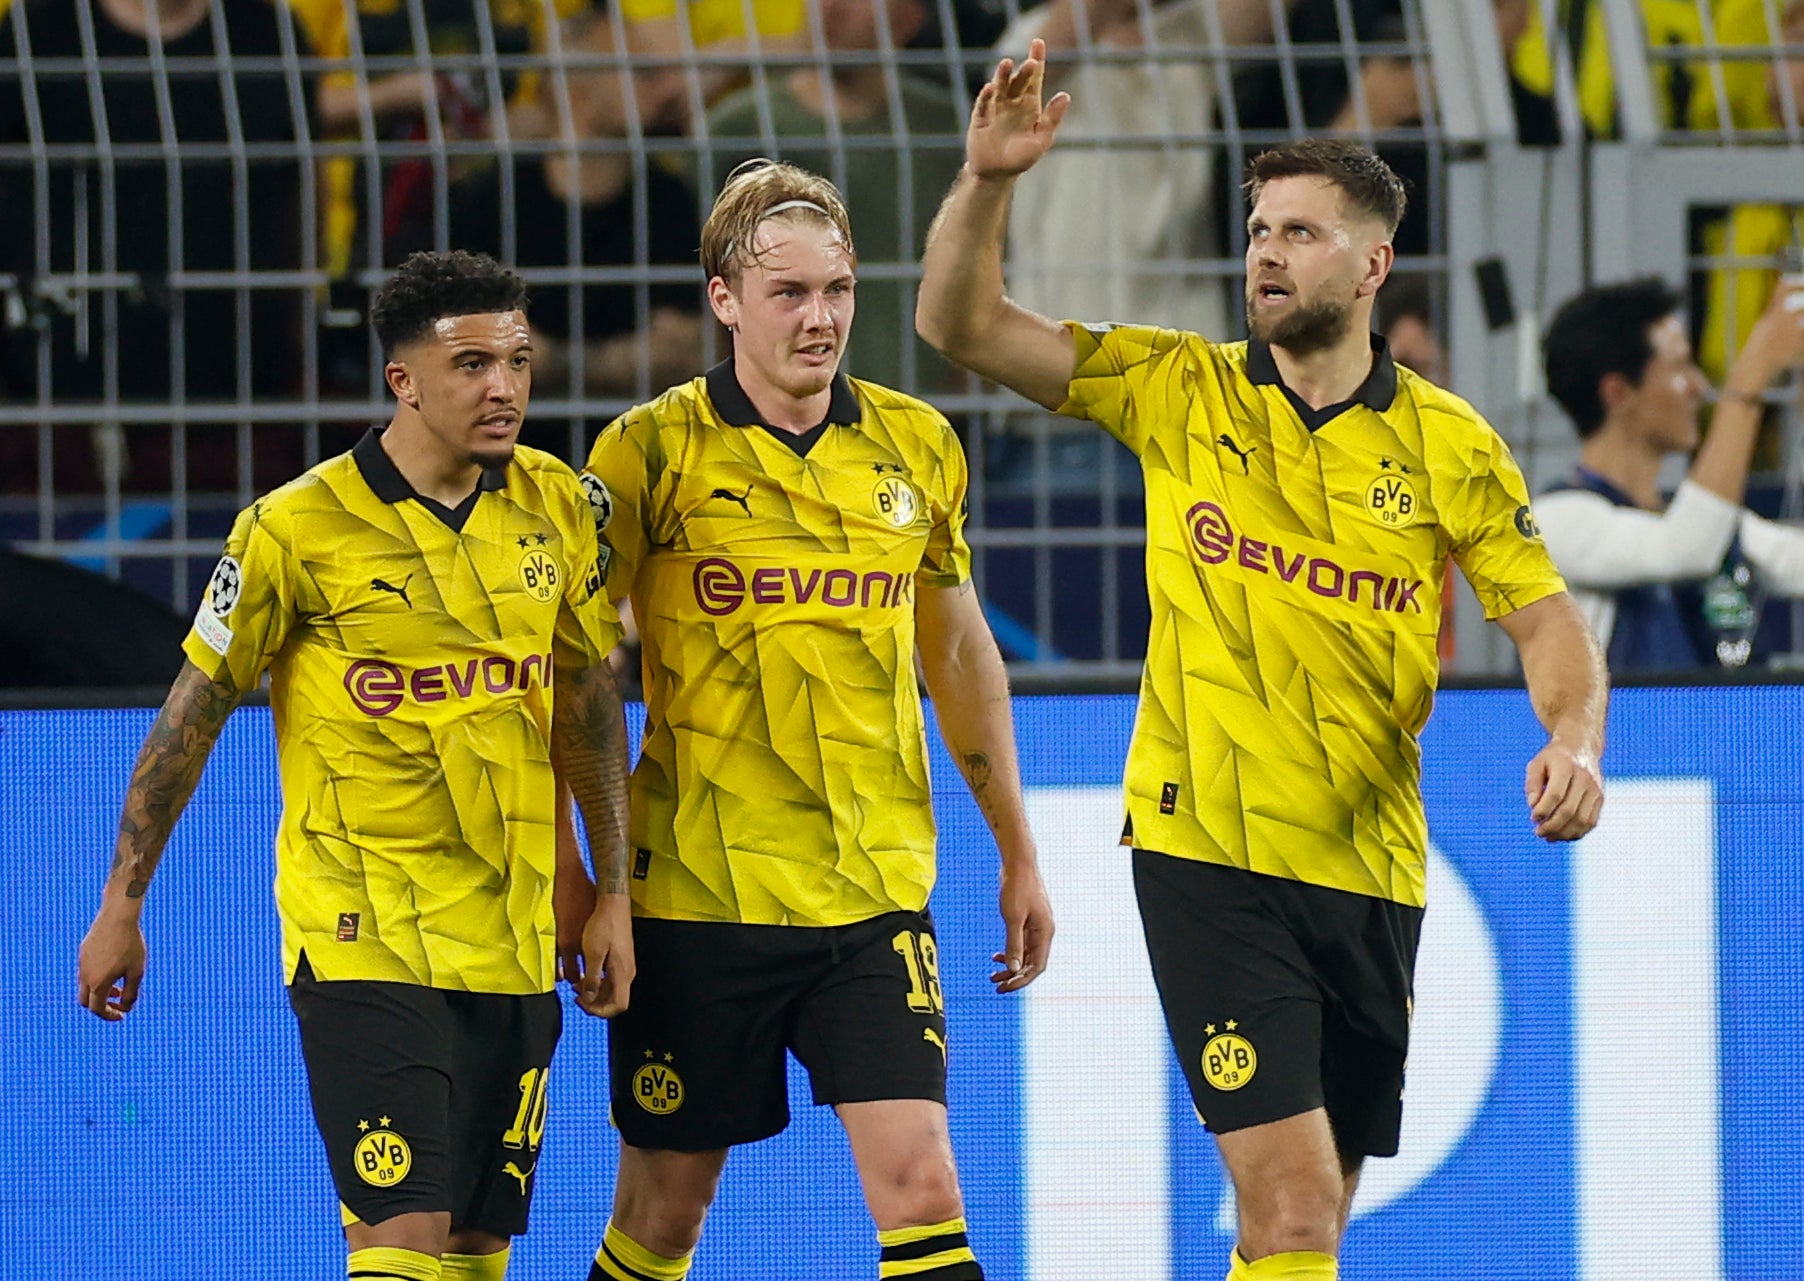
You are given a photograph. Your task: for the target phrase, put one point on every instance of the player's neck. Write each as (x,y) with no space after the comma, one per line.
(426,463)
(1626,462)
(781,409)
(1331,375)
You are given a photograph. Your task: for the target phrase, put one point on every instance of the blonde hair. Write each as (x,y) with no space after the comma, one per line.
(755,191)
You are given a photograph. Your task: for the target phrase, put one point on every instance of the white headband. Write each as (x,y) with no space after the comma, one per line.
(776,209)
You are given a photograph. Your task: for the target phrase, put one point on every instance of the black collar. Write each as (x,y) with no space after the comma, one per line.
(1376,393)
(387,483)
(736,409)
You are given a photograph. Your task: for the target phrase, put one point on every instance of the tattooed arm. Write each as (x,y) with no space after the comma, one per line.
(969,687)
(590,732)
(111,965)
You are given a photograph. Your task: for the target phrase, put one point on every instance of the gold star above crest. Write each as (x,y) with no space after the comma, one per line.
(1232,1025)
(382,1121)
(650,1055)
(363,1125)
(1209,1030)
(670,1058)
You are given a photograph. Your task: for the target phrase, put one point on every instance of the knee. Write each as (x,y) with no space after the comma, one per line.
(661,1204)
(1300,1210)
(916,1188)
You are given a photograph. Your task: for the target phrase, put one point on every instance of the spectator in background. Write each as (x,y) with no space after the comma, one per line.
(1073,248)
(580,209)
(1406,318)
(122,216)
(891,187)
(718,27)
(1664,586)
(1759,97)
(1537,122)
(400,104)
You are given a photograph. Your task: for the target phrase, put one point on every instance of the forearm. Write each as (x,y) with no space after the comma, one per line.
(590,731)
(969,688)
(1721,465)
(1567,681)
(961,280)
(168,769)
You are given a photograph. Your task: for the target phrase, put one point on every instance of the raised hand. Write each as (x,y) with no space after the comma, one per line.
(1010,128)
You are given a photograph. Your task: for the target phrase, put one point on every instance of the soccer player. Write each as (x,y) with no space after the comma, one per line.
(1303,492)
(416,601)
(792,538)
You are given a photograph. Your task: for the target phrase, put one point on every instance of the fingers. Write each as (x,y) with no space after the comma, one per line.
(1577,814)
(570,965)
(1553,794)
(100,1000)
(1056,109)
(129,997)
(1535,779)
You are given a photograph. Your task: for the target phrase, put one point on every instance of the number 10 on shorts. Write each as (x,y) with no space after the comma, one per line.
(922,957)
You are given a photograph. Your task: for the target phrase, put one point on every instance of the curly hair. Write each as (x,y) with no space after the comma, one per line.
(427,287)
(1368,183)
(761,189)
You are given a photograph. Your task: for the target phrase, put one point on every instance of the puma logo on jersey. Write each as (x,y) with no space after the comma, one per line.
(521,1175)
(929,1035)
(378,584)
(744,500)
(1245,455)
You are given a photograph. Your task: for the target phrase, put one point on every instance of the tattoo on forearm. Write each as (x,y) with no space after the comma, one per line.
(977,777)
(591,730)
(169,766)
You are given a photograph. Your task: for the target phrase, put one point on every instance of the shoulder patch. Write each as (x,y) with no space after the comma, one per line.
(601,503)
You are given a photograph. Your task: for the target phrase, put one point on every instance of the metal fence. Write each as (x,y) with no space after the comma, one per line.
(196,218)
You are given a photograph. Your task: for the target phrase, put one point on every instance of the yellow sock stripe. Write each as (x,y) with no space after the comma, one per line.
(622,1257)
(475,1267)
(927,1263)
(908,1236)
(386,1263)
(1293,1265)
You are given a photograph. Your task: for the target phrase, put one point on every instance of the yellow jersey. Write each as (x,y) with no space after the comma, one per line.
(783,779)
(411,649)
(1294,562)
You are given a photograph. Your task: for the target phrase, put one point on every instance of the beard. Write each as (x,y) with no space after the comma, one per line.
(491,456)
(1305,329)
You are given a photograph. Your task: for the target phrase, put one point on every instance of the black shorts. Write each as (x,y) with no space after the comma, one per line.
(698,1061)
(428,1100)
(1282,997)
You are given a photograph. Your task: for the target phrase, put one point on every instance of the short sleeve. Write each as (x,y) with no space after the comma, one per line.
(588,625)
(947,559)
(1121,378)
(249,605)
(617,480)
(1495,539)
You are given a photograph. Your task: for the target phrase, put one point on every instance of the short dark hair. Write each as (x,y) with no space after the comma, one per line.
(427,287)
(1369,184)
(1602,331)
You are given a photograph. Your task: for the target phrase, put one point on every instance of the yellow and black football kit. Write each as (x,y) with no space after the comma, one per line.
(411,650)
(784,774)
(1294,564)
(780,813)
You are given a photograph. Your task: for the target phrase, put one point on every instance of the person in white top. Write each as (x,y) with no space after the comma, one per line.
(1107,230)
(1665,586)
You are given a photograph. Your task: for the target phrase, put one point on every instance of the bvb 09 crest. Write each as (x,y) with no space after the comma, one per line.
(657,1087)
(1229,1060)
(382,1157)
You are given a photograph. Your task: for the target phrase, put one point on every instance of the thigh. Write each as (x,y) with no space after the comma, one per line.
(1365,955)
(697,1062)
(502,1051)
(379,1069)
(873,1026)
(1242,1008)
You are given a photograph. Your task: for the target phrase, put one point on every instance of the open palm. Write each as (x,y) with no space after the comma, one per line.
(1010,128)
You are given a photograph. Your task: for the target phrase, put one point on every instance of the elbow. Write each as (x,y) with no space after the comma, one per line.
(935,323)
